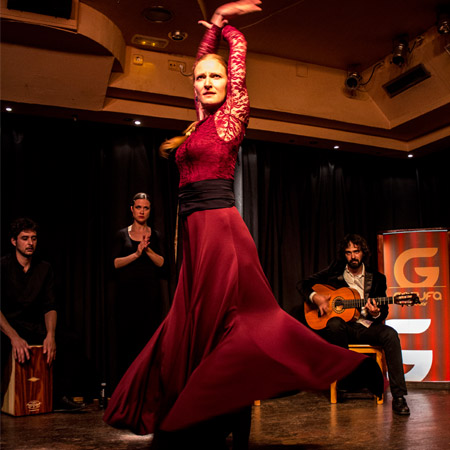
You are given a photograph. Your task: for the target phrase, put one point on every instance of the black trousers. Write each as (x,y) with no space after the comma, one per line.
(343,333)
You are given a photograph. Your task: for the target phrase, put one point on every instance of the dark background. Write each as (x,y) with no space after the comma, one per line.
(76,179)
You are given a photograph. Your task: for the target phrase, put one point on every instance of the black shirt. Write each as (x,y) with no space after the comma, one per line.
(27,296)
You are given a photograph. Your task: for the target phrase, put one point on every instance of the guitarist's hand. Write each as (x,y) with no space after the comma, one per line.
(372,307)
(322,302)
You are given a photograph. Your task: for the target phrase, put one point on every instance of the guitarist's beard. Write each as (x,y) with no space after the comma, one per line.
(355,264)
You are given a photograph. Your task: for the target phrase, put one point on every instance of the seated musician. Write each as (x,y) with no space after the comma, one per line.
(28,316)
(367,327)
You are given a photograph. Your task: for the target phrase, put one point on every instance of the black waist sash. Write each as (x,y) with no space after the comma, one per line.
(206,194)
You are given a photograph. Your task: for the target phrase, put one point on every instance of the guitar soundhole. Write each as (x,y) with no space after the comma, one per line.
(338,305)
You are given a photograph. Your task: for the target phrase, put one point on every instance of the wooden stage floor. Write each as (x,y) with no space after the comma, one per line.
(306,421)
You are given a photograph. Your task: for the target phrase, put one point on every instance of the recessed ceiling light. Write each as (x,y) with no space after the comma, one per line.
(8,108)
(137,122)
(410,155)
(178,35)
(157,14)
(336,147)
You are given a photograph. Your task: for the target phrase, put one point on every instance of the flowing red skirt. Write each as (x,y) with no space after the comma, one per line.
(225,342)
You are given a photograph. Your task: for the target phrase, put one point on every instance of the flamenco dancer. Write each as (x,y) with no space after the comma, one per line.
(225,341)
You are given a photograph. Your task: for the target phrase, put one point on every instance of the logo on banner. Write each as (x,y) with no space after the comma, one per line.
(429,275)
(417,261)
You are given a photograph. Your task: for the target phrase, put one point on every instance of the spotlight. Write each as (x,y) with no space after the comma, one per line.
(177,35)
(353,80)
(443,22)
(400,51)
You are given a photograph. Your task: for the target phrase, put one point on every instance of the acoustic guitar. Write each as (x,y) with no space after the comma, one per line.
(344,303)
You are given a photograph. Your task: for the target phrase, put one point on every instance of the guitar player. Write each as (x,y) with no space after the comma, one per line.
(367,326)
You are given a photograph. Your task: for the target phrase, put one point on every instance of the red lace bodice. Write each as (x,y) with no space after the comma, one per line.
(210,151)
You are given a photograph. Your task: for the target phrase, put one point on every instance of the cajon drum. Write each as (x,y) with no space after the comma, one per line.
(30,389)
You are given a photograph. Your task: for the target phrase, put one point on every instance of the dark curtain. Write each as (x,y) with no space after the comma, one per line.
(308,199)
(77,180)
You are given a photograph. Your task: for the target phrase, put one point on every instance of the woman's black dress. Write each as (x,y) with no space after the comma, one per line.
(138,307)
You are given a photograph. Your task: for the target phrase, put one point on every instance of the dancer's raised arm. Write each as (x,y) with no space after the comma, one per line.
(234,113)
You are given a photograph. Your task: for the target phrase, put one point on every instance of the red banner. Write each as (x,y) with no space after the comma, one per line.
(418,261)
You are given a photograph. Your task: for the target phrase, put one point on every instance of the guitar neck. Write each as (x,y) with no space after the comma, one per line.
(360,302)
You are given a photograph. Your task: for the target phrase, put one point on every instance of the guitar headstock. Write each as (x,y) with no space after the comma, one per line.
(406,299)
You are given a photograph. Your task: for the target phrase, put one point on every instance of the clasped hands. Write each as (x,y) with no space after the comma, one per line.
(144,244)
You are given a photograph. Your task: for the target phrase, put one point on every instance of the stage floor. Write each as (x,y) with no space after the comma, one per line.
(304,421)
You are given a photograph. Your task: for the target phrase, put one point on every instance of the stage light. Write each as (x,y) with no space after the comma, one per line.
(400,51)
(178,35)
(443,22)
(353,80)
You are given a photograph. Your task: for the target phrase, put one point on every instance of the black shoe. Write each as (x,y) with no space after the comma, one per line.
(399,406)
(66,404)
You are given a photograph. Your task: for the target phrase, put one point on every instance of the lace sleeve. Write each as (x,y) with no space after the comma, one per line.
(210,42)
(232,117)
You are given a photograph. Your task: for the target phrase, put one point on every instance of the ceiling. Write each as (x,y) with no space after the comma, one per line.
(334,35)
(329,33)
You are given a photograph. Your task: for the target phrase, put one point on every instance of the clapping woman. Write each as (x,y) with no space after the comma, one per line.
(138,263)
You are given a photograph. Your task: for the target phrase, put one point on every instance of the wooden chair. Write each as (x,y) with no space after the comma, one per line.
(30,388)
(366,349)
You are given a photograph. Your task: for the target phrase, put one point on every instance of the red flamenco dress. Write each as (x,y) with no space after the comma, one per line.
(225,341)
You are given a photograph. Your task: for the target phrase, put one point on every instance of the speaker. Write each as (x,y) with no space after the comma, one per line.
(55,8)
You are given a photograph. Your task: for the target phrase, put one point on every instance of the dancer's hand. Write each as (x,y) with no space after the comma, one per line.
(229,10)
(239,8)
